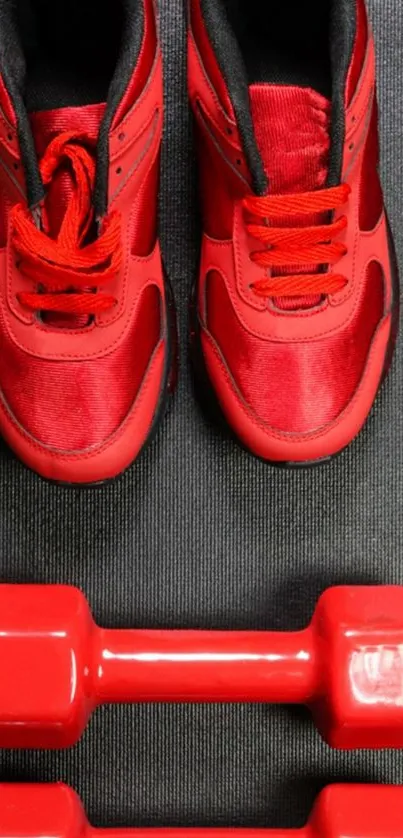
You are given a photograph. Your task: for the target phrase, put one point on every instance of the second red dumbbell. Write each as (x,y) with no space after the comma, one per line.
(56,665)
(34,811)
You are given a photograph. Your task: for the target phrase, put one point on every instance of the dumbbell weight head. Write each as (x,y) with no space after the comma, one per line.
(45,665)
(359,642)
(356,811)
(37,810)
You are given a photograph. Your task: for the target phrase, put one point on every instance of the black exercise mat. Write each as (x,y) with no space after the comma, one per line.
(199,534)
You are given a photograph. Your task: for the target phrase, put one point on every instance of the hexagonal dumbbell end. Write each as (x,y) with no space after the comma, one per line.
(56,665)
(358,811)
(359,643)
(45,666)
(34,811)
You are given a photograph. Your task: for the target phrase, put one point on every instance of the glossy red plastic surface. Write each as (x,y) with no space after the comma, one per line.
(40,811)
(56,666)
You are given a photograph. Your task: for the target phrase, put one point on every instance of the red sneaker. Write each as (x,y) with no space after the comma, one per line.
(85,340)
(297,298)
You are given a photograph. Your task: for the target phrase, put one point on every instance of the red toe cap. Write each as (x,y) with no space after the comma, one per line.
(76,405)
(296,388)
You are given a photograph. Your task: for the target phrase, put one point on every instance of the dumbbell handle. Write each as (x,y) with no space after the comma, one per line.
(57,665)
(204,666)
(195,832)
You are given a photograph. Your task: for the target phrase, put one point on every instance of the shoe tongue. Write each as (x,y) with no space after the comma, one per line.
(45,126)
(292,129)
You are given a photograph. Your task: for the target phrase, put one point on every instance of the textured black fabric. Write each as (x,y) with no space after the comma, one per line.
(198,533)
(284,42)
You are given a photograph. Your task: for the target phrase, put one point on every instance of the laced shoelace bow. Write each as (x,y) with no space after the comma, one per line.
(298,246)
(68,271)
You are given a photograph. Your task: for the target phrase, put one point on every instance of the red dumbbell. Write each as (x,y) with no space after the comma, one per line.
(56,666)
(34,811)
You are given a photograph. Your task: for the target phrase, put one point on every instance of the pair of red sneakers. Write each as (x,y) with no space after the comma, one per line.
(296,303)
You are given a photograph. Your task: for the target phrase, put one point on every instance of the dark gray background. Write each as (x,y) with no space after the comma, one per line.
(198,533)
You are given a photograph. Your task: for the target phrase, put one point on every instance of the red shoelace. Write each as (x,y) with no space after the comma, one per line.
(298,246)
(67,270)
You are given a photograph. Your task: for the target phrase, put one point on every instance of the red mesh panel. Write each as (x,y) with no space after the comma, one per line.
(72,405)
(299,387)
(47,124)
(292,132)
(371,197)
